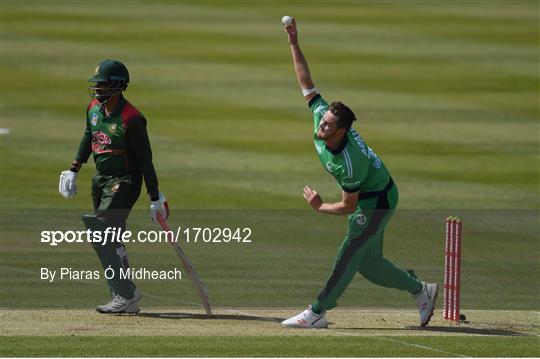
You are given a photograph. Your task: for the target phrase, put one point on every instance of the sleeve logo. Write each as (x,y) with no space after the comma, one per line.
(320,110)
(329,167)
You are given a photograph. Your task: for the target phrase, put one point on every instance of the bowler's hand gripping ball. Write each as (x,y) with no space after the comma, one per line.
(286,20)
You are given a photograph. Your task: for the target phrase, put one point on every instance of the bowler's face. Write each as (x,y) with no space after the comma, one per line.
(327,126)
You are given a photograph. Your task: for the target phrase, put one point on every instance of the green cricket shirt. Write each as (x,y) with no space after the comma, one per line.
(119,143)
(354,165)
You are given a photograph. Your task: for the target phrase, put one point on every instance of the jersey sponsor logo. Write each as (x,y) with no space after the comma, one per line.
(94,119)
(101,138)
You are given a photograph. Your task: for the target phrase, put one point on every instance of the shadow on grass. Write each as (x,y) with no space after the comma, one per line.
(176,315)
(439,329)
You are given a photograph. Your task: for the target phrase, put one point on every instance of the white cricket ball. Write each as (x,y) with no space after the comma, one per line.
(286,20)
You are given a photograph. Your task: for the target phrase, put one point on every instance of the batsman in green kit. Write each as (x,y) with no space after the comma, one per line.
(369,197)
(116,136)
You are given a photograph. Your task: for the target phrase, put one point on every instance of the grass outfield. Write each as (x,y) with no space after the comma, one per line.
(446,93)
(247,346)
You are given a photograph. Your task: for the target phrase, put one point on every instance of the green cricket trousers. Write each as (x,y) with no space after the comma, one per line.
(362,250)
(113,198)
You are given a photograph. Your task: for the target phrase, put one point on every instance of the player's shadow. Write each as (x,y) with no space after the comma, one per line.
(460,330)
(176,315)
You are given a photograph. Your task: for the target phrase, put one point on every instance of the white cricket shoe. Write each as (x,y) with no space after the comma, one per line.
(120,304)
(426,302)
(306,319)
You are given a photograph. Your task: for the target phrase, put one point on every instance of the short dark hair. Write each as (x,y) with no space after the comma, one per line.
(345,116)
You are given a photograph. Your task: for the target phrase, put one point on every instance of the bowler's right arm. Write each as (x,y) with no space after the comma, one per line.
(300,64)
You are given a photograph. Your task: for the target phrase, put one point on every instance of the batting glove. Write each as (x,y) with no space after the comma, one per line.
(160,206)
(67,186)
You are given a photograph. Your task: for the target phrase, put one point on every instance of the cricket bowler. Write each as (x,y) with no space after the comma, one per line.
(369,197)
(116,136)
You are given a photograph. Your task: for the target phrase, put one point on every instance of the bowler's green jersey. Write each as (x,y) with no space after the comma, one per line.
(354,165)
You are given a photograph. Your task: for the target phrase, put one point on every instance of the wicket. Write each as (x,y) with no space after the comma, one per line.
(452,269)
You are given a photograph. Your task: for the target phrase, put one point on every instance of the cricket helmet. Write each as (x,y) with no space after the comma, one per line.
(111,78)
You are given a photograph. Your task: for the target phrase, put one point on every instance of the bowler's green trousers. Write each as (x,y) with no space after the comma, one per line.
(362,251)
